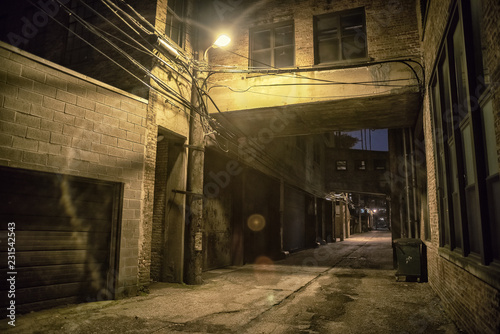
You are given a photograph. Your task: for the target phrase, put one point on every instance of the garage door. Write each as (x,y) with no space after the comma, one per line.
(65,237)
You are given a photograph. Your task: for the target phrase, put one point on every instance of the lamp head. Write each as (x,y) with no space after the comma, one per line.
(222,41)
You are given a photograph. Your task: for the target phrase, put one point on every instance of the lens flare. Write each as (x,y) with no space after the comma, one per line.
(256,222)
(265,271)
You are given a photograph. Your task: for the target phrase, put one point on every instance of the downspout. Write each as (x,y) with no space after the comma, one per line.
(414,187)
(407,185)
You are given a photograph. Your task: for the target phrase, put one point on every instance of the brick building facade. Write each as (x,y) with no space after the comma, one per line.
(256,120)
(463,265)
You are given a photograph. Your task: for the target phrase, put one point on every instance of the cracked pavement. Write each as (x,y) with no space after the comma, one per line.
(347,287)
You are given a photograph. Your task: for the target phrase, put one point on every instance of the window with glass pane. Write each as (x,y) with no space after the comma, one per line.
(467,175)
(379,164)
(460,72)
(455,197)
(77,50)
(341,165)
(493,178)
(360,164)
(440,164)
(273,47)
(340,36)
(174,23)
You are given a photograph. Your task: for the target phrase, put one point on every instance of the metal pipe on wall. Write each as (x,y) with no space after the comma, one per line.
(407,185)
(414,186)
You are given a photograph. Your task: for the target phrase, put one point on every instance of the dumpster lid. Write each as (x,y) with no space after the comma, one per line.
(408,242)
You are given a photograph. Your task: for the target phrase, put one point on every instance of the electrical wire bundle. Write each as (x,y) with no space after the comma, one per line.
(149,41)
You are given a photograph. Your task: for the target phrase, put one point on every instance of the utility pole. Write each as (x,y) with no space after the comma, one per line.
(193,262)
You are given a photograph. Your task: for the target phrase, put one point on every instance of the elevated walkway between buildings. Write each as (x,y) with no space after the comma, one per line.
(372,96)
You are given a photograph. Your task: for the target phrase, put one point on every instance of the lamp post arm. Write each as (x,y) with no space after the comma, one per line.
(205,55)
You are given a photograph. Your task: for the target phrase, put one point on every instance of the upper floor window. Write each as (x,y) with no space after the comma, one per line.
(174,26)
(341,164)
(340,36)
(78,51)
(273,46)
(360,164)
(379,164)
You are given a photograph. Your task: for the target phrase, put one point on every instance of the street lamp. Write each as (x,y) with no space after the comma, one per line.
(220,42)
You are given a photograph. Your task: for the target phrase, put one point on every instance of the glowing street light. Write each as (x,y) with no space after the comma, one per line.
(221,41)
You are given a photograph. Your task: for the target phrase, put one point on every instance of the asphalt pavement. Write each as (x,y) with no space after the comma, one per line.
(341,287)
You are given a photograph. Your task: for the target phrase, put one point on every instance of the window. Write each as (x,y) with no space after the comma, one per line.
(379,164)
(465,147)
(340,36)
(360,164)
(174,25)
(78,52)
(273,46)
(341,165)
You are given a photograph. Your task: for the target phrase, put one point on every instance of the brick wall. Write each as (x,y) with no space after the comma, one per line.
(471,302)
(56,120)
(392,27)
(367,180)
(491,37)
(160,198)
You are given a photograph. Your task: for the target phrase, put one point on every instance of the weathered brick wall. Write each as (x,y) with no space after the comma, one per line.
(491,37)
(162,111)
(160,200)
(471,302)
(368,180)
(392,27)
(146,227)
(56,120)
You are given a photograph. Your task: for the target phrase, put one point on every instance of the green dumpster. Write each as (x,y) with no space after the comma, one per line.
(409,258)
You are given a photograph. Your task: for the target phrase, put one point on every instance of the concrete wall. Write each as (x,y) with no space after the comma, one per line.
(471,293)
(220,210)
(56,120)
(250,216)
(300,161)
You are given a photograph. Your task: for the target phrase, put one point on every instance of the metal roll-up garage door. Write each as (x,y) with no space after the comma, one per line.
(65,238)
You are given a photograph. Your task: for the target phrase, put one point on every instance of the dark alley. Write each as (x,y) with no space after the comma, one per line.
(250,166)
(346,287)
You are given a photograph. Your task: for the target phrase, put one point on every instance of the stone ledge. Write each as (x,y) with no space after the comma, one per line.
(471,264)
